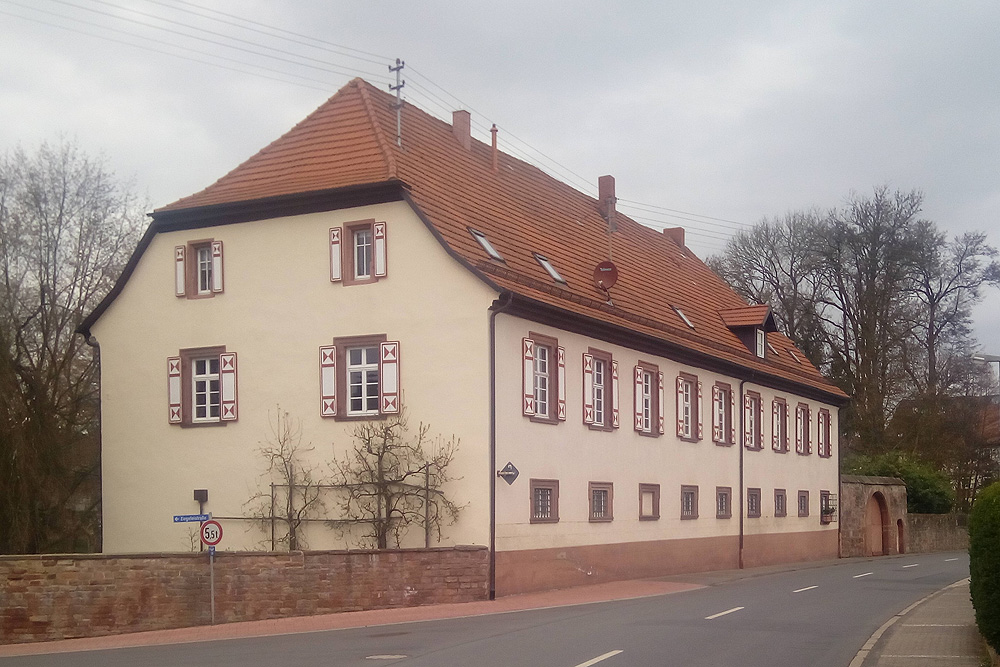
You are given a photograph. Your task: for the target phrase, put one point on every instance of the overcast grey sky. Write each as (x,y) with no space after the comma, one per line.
(723,112)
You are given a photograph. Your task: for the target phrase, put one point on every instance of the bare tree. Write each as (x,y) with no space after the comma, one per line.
(390,482)
(775,262)
(293,495)
(67,226)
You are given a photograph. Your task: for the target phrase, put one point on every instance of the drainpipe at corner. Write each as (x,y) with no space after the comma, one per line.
(742,445)
(499,306)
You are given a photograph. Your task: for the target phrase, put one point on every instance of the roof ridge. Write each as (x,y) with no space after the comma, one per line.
(383,145)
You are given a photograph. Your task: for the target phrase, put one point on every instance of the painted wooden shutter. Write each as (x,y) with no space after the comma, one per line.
(336,272)
(227,377)
(528,376)
(174,389)
(379,254)
(217,278)
(731,411)
(614,394)
(775,426)
(697,408)
(680,407)
(660,403)
(638,398)
(180,287)
(561,382)
(328,380)
(748,421)
(588,388)
(389,376)
(716,426)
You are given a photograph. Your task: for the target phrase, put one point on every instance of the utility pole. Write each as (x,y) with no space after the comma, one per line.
(398,88)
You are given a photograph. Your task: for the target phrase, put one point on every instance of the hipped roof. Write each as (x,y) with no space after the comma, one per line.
(349,143)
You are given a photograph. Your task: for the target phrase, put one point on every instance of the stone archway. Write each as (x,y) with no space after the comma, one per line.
(877,530)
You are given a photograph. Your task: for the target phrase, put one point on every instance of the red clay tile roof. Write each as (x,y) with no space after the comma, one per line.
(747,316)
(350,140)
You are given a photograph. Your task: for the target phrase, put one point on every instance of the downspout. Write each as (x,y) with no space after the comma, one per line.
(495,310)
(743,444)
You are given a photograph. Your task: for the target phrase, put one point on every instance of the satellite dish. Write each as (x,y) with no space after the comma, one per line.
(605,275)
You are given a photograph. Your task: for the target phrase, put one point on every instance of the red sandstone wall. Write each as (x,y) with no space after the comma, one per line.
(57,597)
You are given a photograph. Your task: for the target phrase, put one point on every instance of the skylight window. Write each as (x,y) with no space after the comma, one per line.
(485,243)
(551,269)
(680,314)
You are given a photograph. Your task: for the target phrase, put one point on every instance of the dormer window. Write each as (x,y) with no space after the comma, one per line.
(761,342)
(549,268)
(680,314)
(485,243)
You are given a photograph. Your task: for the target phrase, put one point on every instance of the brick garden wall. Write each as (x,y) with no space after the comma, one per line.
(58,597)
(937,532)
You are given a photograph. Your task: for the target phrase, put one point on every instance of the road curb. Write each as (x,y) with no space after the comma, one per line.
(862,654)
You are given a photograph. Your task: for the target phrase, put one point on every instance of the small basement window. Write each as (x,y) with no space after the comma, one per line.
(551,269)
(485,243)
(680,314)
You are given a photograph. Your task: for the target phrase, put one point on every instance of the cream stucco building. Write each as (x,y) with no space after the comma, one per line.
(657,422)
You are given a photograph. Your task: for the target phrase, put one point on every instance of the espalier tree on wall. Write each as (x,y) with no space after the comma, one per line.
(388,482)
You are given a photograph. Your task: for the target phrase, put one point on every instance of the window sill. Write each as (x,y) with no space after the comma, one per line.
(543,420)
(649,518)
(534,520)
(601,427)
(723,443)
(203,424)
(649,434)
(688,518)
(604,520)
(358,418)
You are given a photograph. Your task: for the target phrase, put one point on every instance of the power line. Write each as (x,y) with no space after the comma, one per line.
(512,143)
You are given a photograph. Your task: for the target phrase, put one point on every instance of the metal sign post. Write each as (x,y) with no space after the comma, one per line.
(211,535)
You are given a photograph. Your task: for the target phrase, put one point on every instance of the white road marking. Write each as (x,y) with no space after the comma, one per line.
(858,576)
(722,613)
(954,657)
(384,657)
(948,560)
(807,588)
(912,565)
(937,625)
(600,658)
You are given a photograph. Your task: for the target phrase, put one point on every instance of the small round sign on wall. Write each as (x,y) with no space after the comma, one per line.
(211,532)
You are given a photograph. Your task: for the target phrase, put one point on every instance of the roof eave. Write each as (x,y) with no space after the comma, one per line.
(524,306)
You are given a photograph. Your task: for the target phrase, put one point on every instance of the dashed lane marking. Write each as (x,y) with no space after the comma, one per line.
(599,658)
(723,613)
(948,560)
(911,565)
(807,588)
(858,576)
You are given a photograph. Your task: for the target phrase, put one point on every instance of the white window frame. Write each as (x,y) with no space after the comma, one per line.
(761,343)
(600,391)
(364,368)
(687,404)
(363,247)
(213,387)
(647,400)
(542,379)
(203,269)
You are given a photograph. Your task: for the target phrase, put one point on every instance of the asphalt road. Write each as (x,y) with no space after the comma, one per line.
(815,616)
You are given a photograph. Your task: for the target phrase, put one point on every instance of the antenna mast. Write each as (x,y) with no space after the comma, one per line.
(399,99)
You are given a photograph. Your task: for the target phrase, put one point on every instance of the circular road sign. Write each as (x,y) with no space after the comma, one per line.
(211,533)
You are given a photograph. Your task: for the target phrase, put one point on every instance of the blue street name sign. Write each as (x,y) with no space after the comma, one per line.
(188,518)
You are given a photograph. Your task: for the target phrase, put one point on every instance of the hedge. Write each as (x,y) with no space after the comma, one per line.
(984,562)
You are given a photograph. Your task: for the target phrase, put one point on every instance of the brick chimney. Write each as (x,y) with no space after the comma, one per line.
(675,234)
(607,200)
(461,127)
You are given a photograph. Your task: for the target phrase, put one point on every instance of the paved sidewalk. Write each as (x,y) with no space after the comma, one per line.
(936,631)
